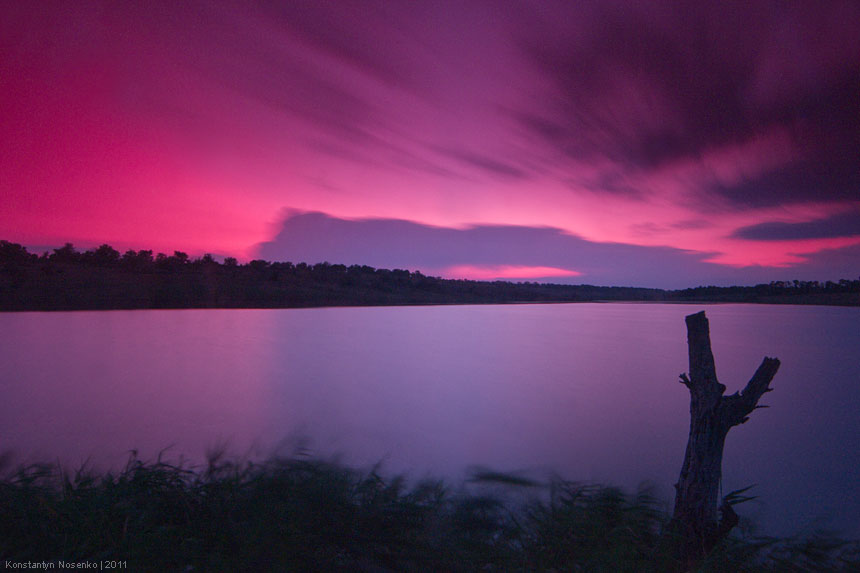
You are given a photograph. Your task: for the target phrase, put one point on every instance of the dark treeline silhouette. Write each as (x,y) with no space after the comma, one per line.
(104,278)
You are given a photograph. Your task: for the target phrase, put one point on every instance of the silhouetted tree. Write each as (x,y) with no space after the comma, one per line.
(104,255)
(102,278)
(14,254)
(137,260)
(65,254)
(712,415)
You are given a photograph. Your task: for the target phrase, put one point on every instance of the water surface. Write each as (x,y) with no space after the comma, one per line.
(589,391)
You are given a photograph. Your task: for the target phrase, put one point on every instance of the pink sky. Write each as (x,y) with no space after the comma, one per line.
(729,134)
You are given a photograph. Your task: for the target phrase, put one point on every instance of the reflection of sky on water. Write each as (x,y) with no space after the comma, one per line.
(587,390)
(96,384)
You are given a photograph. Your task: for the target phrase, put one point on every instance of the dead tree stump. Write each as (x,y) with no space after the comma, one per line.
(712,415)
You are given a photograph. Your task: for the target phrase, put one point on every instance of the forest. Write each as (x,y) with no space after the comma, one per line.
(103,278)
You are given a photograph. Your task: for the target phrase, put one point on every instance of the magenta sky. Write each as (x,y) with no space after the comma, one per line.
(650,143)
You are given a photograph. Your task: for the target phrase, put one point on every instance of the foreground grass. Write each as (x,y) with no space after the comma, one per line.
(302,514)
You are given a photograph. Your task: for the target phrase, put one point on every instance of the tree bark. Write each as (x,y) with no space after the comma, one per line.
(712,415)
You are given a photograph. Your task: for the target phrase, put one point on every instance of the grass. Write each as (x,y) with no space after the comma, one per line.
(304,514)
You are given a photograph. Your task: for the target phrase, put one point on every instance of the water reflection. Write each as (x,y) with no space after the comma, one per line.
(587,390)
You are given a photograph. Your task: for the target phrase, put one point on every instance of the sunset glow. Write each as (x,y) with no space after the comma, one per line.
(725,139)
(506,272)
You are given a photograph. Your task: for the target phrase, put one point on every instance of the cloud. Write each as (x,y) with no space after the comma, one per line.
(499,251)
(840,225)
(664,83)
(749,103)
(829,264)
(619,120)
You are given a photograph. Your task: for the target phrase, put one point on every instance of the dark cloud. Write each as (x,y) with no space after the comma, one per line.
(666,82)
(637,87)
(827,179)
(829,264)
(840,225)
(390,243)
(825,128)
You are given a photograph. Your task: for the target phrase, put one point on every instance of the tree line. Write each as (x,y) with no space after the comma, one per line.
(103,278)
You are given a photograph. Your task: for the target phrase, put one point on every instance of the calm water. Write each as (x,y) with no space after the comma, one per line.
(589,391)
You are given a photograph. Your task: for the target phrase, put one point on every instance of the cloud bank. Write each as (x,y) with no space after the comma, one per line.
(489,252)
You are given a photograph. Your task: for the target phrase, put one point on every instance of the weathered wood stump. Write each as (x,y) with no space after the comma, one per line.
(695,519)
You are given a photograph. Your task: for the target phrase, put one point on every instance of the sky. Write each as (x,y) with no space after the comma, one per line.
(662,144)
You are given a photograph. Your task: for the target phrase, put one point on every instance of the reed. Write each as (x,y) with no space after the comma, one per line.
(303,514)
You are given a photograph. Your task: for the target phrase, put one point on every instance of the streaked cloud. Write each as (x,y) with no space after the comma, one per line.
(761,96)
(727,134)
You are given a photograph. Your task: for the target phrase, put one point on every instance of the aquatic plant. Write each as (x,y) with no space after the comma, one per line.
(301,513)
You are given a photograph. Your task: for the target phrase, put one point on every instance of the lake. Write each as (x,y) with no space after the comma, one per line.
(588,391)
